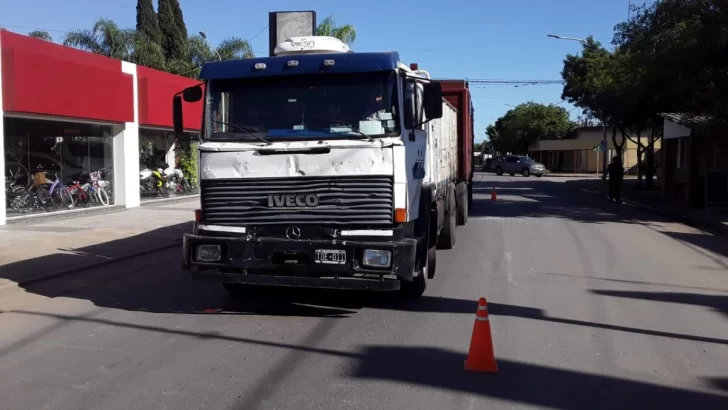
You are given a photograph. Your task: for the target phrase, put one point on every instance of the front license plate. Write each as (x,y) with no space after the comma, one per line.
(332,256)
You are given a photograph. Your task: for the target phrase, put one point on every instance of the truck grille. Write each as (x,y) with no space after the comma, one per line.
(350,200)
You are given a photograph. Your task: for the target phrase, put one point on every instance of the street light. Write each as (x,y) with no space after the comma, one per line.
(581,40)
(222,96)
(204,37)
(604,123)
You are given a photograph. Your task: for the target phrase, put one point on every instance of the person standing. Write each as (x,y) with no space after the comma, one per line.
(615,170)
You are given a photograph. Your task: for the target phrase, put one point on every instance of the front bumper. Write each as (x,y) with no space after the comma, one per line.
(285,262)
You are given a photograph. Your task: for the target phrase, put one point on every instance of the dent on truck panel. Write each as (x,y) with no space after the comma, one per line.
(339,162)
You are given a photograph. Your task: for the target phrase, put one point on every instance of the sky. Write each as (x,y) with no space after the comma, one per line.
(485,39)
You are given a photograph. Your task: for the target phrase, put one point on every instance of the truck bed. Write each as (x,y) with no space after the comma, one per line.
(457,93)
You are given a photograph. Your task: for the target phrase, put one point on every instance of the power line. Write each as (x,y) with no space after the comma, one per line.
(33,28)
(511,82)
(259,33)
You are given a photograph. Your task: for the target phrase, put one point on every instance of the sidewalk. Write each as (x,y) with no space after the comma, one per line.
(38,250)
(715,222)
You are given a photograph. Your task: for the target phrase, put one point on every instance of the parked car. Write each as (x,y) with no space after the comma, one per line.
(517,164)
(487,164)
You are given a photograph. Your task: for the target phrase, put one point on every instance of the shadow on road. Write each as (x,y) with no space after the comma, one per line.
(61,259)
(574,200)
(533,198)
(718,303)
(498,309)
(442,369)
(526,383)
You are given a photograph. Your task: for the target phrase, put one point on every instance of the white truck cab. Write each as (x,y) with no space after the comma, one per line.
(313,169)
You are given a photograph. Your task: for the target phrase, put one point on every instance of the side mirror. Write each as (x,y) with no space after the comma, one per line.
(433,100)
(192,94)
(177,115)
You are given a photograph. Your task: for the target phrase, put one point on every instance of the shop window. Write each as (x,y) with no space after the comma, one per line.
(167,166)
(57,166)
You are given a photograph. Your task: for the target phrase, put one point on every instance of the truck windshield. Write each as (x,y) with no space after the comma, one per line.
(300,107)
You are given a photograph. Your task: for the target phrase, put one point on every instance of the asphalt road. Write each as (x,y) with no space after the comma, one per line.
(592,305)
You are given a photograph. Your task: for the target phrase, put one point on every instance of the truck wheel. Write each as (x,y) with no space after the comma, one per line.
(431,262)
(446,240)
(511,173)
(499,171)
(462,203)
(416,288)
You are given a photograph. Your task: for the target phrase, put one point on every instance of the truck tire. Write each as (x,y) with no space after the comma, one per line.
(431,262)
(499,170)
(446,240)
(416,288)
(462,203)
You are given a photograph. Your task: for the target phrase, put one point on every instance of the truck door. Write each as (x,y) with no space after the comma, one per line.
(415,141)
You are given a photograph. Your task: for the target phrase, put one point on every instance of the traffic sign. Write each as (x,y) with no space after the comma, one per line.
(601,147)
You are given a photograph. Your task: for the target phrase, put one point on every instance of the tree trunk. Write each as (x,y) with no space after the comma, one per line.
(650,174)
(640,167)
(618,146)
(604,153)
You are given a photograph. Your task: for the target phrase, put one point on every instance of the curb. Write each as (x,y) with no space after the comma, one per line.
(58,215)
(76,269)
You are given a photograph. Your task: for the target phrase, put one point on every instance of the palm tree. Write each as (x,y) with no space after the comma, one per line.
(232,48)
(328,27)
(105,38)
(110,40)
(41,35)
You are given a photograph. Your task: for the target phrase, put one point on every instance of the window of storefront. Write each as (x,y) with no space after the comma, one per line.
(166,167)
(56,165)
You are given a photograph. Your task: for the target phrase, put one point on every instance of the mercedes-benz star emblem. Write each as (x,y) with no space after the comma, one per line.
(293,232)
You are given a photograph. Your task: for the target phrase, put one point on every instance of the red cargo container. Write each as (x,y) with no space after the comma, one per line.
(457,93)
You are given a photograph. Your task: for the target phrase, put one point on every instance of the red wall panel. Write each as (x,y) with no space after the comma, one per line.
(156,89)
(40,77)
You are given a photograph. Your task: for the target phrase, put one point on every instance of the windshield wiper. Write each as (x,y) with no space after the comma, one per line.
(245,130)
(354,129)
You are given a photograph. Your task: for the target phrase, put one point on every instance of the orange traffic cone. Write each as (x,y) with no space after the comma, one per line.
(493,195)
(480,356)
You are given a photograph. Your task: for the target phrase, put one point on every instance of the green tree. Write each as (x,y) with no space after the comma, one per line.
(179,19)
(598,82)
(200,51)
(526,124)
(41,35)
(682,45)
(105,38)
(173,43)
(146,21)
(328,27)
(110,40)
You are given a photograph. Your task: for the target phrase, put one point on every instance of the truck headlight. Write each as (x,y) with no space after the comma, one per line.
(377,258)
(207,253)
